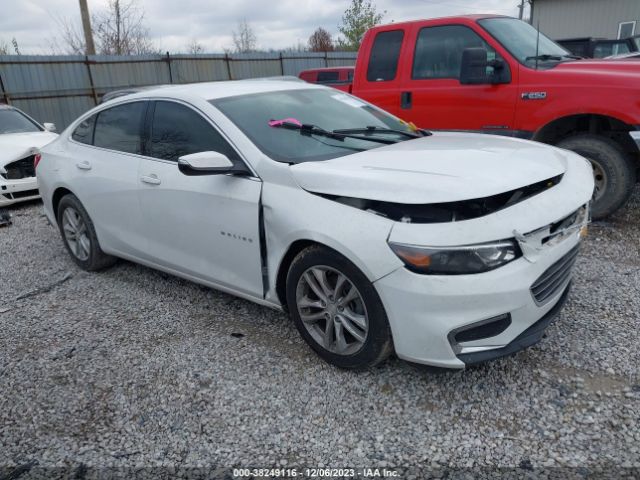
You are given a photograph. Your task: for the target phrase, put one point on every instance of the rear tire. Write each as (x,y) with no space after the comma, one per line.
(614,172)
(79,235)
(345,322)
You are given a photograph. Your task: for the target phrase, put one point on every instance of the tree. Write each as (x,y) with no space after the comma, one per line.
(4,48)
(320,41)
(16,48)
(120,29)
(244,40)
(357,19)
(194,47)
(72,39)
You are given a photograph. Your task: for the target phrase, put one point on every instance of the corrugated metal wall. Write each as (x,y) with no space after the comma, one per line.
(561,19)
(60,88)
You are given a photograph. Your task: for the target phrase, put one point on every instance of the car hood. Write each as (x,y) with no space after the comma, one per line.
(597,71)
(14,146)
(444,167)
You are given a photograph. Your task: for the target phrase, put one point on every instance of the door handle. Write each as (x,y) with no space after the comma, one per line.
(151,179)
(84,165)
(406,99)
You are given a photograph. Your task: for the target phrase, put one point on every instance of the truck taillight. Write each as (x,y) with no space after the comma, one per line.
(36,160)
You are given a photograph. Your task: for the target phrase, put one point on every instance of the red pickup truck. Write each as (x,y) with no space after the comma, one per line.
(495,74)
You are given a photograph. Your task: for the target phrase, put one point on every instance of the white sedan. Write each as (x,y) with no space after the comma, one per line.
(449,248)
(20,138)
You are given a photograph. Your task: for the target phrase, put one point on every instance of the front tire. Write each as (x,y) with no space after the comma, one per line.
(79,235)
(337,309)
(614,173)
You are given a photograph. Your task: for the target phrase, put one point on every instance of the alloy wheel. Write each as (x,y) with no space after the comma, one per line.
(76,234)
(332,310)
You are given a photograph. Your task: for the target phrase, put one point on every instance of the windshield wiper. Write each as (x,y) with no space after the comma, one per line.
(371,129)
(543,57)
(310,129)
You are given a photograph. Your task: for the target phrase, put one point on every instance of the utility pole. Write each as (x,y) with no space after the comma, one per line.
(521,8)
(86,26)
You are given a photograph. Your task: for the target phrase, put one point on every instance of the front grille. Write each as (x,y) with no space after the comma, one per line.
(20,169)
(554,277)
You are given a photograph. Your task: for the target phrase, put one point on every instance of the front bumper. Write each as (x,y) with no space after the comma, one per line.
(424,310)
(14,191)
(529,337)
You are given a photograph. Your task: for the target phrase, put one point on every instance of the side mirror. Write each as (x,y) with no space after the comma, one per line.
(474,68)
(49,127)
(207,163)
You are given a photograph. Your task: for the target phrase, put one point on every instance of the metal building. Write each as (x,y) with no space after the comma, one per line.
(610,19)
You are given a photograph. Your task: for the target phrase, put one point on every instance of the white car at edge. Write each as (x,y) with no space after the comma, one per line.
(20,138)
(449,248)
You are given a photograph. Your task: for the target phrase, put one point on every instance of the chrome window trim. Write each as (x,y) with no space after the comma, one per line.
(242,157)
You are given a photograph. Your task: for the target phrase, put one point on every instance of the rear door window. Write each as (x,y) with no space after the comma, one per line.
(438,52)
(119,128)
(178,130)
(385,53)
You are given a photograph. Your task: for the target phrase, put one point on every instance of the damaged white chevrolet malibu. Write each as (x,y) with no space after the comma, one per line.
(20,138)
(449,248)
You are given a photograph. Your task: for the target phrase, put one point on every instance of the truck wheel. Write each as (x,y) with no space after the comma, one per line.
(614,173)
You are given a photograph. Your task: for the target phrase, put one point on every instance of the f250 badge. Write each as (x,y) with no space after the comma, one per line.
(534,95)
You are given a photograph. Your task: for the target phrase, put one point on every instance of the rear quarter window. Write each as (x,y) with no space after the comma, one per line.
(84,132)
(385,54)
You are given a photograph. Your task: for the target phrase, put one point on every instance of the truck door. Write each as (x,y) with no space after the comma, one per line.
(431,94)
(378,81)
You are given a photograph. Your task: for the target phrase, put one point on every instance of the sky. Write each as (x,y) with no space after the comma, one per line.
(174,24)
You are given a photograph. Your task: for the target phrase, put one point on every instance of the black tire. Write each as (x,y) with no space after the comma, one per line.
(96,258)
(377,345)
(612,167)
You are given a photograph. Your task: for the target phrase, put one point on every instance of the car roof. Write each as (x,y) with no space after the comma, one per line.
(214,90)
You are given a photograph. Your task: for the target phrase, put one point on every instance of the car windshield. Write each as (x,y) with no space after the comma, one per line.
(12,121)
(260,115)
(521,40)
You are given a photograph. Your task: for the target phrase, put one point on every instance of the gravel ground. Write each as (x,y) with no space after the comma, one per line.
(134,368)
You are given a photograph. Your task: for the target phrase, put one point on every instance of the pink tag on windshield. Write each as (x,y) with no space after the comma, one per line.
(278,123)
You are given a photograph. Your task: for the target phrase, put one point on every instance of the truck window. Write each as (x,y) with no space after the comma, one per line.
(328,76)
(383,62)
(438,52)
(605,49)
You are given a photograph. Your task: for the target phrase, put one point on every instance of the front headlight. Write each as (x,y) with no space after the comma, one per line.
(462,260)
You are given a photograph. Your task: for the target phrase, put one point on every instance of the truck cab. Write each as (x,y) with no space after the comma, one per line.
(496,74)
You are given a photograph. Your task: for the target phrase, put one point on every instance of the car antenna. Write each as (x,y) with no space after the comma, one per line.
(537,43)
